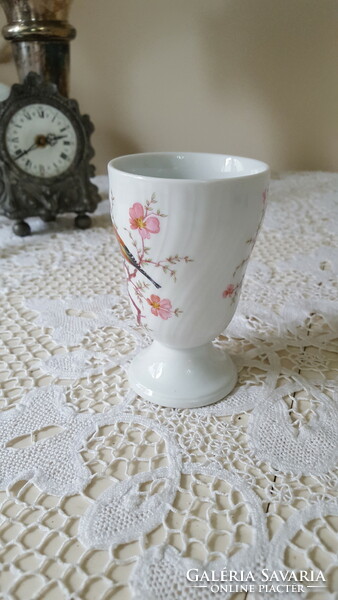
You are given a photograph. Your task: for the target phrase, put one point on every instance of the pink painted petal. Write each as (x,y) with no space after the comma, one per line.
(152,224)
(136,211)
(145,235)
(166,304)
(155,311)
(164,314)
(229,290)
(165,310)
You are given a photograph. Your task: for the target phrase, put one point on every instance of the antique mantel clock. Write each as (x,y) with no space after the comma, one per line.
(45,148)
(44,156)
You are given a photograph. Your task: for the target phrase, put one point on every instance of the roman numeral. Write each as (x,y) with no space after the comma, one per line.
(66,143)
(28,163)
(19,151)
(41,113)
(15,140)
(27,116)
(64,128)
(63,155)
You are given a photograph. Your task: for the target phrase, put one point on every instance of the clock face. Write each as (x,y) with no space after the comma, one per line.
(41,140)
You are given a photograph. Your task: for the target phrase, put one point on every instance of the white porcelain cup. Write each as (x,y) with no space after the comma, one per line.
(186,224)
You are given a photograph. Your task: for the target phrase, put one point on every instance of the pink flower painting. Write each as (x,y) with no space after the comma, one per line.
(229,291)
(160,307)
(265,197)
(144,223)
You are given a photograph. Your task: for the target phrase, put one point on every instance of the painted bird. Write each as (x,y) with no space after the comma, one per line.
(127,255)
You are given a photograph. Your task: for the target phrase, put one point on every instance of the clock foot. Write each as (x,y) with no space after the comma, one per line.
(21,228)
(82,221)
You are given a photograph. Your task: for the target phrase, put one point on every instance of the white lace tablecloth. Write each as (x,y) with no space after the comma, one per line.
(106,496)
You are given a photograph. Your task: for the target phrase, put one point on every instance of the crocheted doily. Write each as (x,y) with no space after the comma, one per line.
(107,496)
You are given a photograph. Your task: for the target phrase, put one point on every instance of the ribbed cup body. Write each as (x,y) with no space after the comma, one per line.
(186,224)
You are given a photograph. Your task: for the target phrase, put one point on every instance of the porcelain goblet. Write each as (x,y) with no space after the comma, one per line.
(186,224)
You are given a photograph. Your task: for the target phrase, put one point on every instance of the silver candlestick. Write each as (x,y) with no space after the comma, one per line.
(40,36)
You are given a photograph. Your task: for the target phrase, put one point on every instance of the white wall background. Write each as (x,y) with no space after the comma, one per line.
(250,77)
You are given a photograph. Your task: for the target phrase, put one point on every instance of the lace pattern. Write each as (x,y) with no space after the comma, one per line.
(106,496)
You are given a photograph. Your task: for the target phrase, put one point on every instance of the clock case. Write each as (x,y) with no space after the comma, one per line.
(23,195)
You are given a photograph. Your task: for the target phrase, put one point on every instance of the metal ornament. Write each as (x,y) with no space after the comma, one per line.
(24,194)
(40,34)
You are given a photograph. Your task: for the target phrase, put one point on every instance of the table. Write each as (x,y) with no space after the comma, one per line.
(106,496)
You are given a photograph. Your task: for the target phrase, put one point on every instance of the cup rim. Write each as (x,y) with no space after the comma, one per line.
(263,167)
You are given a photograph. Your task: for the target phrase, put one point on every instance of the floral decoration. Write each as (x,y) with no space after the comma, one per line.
(160,308)
(145,221)
(232,289)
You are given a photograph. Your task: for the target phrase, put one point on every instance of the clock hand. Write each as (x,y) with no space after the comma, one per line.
(32,147)
(51,138)
(40,142)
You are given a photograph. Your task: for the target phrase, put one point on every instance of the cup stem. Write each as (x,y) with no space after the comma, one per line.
(182,378)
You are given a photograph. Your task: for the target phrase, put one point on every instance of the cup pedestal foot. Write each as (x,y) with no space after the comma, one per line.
(188,378)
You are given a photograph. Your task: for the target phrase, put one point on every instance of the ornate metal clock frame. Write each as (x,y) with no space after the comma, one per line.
(23,195)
